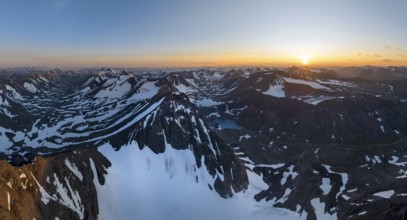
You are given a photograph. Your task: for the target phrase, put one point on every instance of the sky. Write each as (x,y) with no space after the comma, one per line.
(176,33)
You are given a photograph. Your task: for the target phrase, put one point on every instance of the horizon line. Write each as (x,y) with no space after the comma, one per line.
(193,67)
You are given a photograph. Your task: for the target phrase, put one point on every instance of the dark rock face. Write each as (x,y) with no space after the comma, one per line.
(178,123)
(322,144)
(59,186)
(375,73)
(161,118)
(300,147)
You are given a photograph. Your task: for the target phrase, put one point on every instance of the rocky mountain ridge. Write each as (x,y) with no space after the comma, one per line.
(323,145)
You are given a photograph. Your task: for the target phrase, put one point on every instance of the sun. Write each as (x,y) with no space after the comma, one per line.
(304,58)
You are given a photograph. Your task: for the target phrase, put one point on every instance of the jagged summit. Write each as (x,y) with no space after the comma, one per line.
(302,140)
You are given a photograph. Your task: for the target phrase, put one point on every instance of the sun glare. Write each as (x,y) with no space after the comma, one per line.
(304,59)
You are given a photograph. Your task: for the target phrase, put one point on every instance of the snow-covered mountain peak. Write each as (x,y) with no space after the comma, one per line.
(294,143)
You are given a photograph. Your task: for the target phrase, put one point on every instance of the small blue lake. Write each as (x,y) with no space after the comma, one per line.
(226,123)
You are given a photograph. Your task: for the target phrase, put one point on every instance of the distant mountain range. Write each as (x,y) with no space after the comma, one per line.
(230,143)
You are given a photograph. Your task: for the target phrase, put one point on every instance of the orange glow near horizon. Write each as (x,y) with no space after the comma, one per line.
(198,60)
(150,35)
(246,59)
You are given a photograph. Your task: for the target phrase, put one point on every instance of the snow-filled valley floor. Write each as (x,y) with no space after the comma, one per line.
(282,144)
(144,185)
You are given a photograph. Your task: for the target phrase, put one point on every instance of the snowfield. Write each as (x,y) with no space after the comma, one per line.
(143,185)
(312,84)
(276,91)
(30,87)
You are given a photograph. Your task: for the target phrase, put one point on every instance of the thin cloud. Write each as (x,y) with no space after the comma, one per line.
(387,46)
(369,55)
(386,60)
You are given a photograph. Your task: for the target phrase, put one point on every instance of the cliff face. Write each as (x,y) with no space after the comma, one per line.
(58,114)
(58,186)
(300,140)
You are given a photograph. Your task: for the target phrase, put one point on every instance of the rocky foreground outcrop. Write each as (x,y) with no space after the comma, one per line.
(58,186)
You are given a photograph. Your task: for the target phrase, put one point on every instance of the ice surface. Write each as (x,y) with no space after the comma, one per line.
(344,177)
(67,197)
(30,87)
(376,159)
(226,123)
(336,83)
(314,85)
(274,166)
(276,91)
(326,186)
(14,93)
(74,169)
(319,208)
(185,89)
(287,174)
(362,213)
(4,102)
(314,100)
(73,203)
(246,136)
(141,185)
(117,90)
(146,91)
(385,194)
(45,197)
(206,102)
